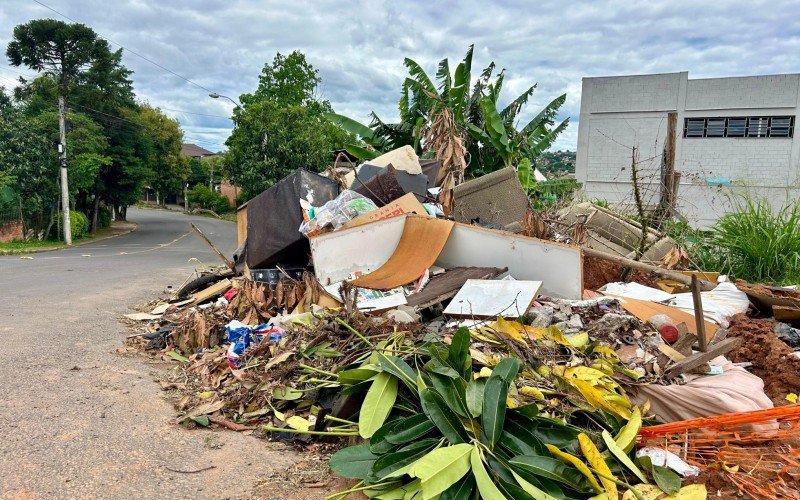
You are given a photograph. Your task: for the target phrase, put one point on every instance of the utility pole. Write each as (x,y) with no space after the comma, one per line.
(62,157)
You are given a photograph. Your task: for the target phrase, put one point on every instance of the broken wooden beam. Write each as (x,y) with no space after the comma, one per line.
(697,359)
(227,262)
(699,316)
(641,266)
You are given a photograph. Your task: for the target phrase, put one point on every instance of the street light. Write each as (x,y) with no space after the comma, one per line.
(214,95)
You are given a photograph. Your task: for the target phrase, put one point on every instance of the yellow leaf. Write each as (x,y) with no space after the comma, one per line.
(510,403)
(581,373)
(627,435)
(510,329)
(484,373)
(579,340)
(532,392)
(298,423)
(621,456)
(577,463)
(556,336)
(791,397)
(652,492)
(204,394)
(594,458)
(596,398)
(606,352)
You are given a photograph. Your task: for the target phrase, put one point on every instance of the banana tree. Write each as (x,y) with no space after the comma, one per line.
(503,145)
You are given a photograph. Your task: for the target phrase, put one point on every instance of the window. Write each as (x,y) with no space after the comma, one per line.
(752,126)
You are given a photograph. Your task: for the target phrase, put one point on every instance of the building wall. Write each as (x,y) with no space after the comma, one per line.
(620,113)
(11,231)
(229,191)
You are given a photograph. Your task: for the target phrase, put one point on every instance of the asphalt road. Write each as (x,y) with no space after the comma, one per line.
(79,419)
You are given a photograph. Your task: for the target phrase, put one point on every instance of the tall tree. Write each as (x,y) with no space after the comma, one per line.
(168,168)
(280,127)
(63,51)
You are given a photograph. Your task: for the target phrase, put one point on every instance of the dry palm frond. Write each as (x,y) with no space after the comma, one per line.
(444,139)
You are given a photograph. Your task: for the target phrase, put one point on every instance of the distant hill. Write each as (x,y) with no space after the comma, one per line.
(557,163)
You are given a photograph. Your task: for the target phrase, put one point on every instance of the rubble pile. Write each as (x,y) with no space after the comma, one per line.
(354,309)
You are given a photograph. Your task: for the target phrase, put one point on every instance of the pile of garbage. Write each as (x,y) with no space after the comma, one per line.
(464,355)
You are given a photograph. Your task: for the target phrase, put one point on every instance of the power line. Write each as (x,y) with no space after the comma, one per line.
(130,50)
(139,124)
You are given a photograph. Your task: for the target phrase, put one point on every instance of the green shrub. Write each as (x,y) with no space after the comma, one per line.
(759,244)
(79,224)
(104,217)
(751,243)
(205,198)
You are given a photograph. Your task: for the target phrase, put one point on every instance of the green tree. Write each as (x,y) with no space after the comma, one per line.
(168,168)
(281,127)
(63,51)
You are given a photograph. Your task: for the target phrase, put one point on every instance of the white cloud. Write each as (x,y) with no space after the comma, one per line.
(359,46)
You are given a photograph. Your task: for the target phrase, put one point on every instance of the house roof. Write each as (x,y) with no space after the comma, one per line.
(195,151)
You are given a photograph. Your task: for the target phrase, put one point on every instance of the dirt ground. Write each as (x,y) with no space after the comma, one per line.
(598,272)
(772,359)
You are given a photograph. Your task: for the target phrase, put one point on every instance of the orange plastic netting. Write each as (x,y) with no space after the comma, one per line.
(758,451)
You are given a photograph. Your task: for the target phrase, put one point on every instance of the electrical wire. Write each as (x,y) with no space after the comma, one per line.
(130,50)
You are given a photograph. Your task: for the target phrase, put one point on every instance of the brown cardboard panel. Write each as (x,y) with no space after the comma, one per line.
(644,309)
(406,204)
(420,245)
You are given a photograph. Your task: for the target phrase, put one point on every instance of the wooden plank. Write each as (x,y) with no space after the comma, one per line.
(241,224)
(671,353)
(695,360)
(644,309)
(212,291)
(684,343)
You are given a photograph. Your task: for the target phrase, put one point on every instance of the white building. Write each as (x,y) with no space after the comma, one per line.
(734,136)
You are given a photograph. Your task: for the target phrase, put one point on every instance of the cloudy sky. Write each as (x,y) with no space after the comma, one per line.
(359,46)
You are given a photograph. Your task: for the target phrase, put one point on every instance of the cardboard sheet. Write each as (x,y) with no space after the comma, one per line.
(492,298)
(420,245)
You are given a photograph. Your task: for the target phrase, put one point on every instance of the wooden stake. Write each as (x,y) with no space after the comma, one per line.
(699,318)
(224,259)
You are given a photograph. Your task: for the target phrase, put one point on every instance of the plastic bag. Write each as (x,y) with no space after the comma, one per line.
(335,213)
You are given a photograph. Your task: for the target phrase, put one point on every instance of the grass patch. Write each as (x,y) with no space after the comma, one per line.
(23,247)
(753,243)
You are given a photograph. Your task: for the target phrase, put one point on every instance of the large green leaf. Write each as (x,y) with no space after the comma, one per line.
(354,462)
(518,438)
(507,369)
(378,443)
(403,457)
(453,391)
(665,478)
(377,404)
(486,486)
(399,369)
(493,413)
(445,81)
(442,468)
(361,153)
(553,432)
(458,353)
(552,469)
(462,490)
(354,376)
(494,126)
(352,126)
(474,396)
(546,115)
(410,429)
(530,489)
(443,417)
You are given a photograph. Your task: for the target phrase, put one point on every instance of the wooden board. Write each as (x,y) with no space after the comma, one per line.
(217,288)
(241,224)
(695,360)
(643,310)
(445,286)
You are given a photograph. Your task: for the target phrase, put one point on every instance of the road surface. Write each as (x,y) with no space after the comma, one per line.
(78,418)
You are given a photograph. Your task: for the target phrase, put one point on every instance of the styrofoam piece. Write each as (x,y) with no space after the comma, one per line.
(339,254)
(402,158)
(559,267)
(492,298)
(365,248)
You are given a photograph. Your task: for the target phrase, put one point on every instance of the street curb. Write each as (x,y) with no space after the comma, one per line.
(62,247)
